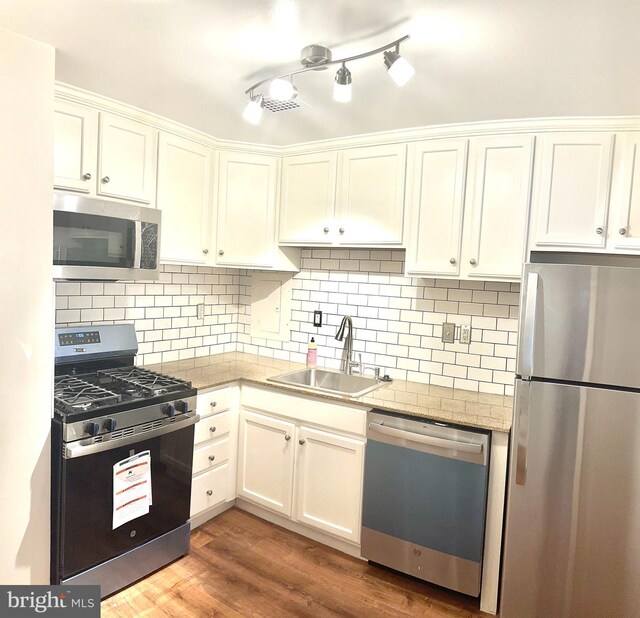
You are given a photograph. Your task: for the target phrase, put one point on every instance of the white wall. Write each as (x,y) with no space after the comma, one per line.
(26,314)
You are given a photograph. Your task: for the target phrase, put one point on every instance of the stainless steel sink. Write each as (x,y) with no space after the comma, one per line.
(327,381)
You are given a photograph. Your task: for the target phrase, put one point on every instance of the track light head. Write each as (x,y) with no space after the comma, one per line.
(253,111)
(282,90)
(342,85)
(398,67)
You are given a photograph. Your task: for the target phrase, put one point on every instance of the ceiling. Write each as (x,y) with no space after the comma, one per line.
(192,60)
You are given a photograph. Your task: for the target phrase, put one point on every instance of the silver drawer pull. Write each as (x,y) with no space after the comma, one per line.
(213,404)
(287,437)
(212,429)
(212,457)
(301,442)
(455,445)
(209,492)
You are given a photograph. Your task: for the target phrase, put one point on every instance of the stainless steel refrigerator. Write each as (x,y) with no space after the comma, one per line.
(572,536)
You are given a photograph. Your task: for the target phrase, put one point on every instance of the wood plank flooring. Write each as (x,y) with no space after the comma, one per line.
(241,565)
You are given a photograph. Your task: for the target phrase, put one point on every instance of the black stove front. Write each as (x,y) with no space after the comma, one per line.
(108,412)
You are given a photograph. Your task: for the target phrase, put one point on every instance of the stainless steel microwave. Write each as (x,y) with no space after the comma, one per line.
(96,239)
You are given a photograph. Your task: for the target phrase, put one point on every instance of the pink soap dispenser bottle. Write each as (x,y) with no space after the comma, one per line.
(312,354)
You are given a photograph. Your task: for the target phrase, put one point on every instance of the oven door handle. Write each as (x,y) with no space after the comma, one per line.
(457,445)
(77,449)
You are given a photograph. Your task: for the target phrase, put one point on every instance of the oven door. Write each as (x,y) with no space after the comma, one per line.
(94,239)
(86,535)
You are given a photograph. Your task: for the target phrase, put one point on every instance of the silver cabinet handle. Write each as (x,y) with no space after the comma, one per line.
(87,176)
(205,251)
(473,262)
(452,261)
(212,429)
(213,404)
(522,437)
(341,230)
(221,252)
(326,230)
(623,231)
(212,457)
(105,180)
(600,231)
(529,325)
(456,445)
(287,437)
(209,492)
(301,442)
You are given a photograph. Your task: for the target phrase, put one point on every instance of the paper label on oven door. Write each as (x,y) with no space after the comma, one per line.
(131,488)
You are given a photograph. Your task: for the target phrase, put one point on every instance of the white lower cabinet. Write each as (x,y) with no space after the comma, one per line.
(329,472)
(311,475)
(214,452)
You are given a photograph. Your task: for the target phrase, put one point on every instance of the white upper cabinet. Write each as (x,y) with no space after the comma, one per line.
(246,207)
(307,199)
(127,159)
(435,204)
(184,196)
(572,192)
(624,220)
(497,211)
(370,205)
(75,147)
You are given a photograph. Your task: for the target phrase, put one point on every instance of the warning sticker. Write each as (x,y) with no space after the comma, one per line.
(131,488)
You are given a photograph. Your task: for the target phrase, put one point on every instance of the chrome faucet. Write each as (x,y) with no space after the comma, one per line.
(348,364)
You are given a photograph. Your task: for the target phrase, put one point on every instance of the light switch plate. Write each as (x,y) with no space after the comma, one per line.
(448,332)
(317,318)
(465,334)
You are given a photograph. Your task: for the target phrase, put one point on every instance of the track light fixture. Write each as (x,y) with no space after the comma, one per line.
(282,92)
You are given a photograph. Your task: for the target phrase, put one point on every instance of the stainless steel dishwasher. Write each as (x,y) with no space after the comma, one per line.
(424,501)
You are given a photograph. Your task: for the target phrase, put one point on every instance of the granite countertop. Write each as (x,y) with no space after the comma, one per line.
(452,405)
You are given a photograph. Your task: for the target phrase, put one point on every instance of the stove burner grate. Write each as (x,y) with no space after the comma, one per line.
(148,382)
(72,394)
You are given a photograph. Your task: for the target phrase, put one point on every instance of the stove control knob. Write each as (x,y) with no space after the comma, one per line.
(92,429)
(182,406)
(169,409)
(109,424)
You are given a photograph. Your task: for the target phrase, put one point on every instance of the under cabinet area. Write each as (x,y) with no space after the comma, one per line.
(309,474)
(214,454)
(103,155)
(352,197)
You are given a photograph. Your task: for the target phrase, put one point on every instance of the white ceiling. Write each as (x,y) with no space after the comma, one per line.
(192,60)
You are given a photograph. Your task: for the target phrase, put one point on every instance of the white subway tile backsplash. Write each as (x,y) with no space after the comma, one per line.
(397,319)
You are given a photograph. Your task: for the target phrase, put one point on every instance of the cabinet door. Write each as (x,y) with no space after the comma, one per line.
(625,218)
(308,198)
(127,159)
(246,209)
(75,147)
(436,203)
(370,207)
(573,190)
(329,476)
(497,209)
(184,196)
(265,461)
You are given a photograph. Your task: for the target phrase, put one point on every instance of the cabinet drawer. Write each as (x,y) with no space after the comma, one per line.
(203,453)
(215,401)
(212,427)
(209,489)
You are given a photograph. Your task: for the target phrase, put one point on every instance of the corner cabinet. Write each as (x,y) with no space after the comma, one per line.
(103,155)
(467,217)
(184,196)
(354,197)
(247,211)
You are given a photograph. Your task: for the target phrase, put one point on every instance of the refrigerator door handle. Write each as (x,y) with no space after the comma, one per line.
(529,326)
(522,438)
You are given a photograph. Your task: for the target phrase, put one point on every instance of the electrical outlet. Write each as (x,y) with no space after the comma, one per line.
(317,318)
(465,334)
(200,311)
(448,332)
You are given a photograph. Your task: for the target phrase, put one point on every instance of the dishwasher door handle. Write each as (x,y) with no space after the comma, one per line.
(455,445)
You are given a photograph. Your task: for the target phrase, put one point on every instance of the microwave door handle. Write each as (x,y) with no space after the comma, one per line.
(137,244)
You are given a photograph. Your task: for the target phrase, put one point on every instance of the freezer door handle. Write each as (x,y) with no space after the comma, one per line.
(522,437)
(456,445)
(529,325)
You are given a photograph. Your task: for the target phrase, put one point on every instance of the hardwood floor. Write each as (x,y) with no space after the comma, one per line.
(240,565)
